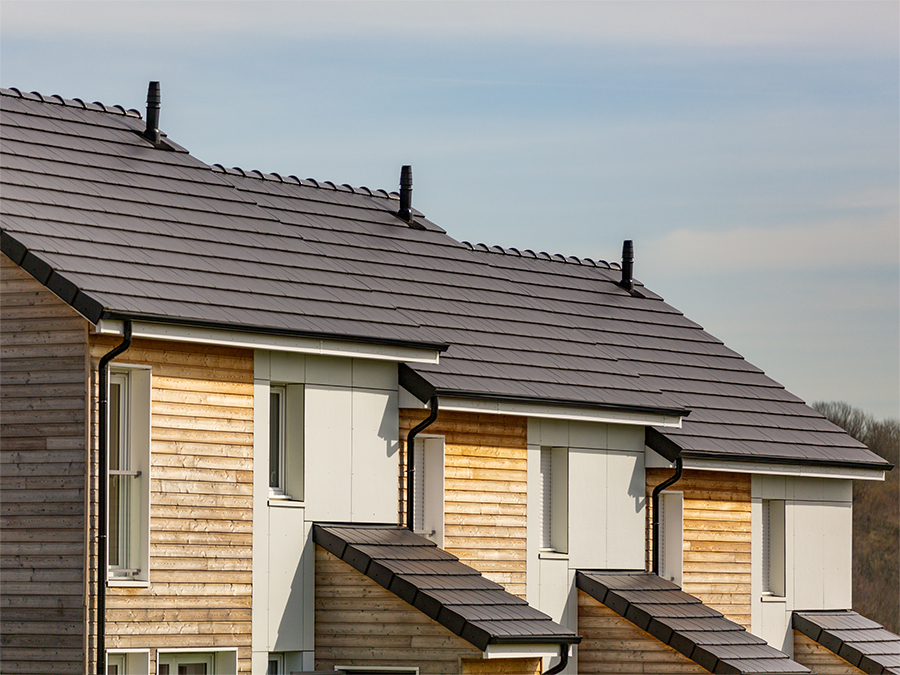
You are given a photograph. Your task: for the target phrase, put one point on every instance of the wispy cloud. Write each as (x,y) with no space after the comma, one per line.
(850,242)
(855,25)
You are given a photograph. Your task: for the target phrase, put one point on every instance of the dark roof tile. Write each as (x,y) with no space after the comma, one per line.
(681,621)
(439,585)
(853,637)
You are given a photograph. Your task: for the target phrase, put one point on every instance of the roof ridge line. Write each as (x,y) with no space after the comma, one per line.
(541,255)
(306,182)
(56,99)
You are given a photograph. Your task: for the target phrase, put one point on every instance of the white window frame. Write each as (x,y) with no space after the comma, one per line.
(773,548)
(129,441)
(220,661)
(129,661)
(553,481)
(289,478)
(671,536)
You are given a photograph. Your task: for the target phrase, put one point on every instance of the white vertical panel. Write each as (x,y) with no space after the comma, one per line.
(286,583)
(375,456)
(625,504)
(329,430)
(588,517)
(838,543)
(809,555)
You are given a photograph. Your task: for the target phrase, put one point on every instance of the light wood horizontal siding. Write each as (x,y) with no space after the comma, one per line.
(716,538)
(201,496)
(820,660)
(43,412)
(359,623)
(484,491)
(612,644)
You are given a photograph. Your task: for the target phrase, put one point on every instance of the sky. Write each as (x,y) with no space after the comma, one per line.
(750,149)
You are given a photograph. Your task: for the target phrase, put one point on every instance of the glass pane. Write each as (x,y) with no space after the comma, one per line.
(112,669)
(275,440)
(192,669)
(163,669)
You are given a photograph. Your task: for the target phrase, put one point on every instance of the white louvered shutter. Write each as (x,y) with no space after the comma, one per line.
(419,487)
(546,496)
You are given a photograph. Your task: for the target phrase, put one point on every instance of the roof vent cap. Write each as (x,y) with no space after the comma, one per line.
(151,132)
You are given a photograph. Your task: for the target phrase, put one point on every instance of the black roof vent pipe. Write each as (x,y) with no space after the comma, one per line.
(627,265)
(405,211)
(151,133)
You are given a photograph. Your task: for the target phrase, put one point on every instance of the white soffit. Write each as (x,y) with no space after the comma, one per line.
(556,412)
(281,343)
(654,460)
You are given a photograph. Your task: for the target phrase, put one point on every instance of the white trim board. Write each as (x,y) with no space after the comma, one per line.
(557,412)
(283,343)
(654,460)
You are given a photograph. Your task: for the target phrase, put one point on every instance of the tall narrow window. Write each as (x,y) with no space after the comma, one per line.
(554,497)
(286,441)
(277,401)
(128,425)
(773,547)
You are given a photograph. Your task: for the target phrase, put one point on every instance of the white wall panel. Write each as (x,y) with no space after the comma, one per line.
(809,554)
(625,508)
(588,509)
(374,456)
(329,437)
(287,539)
(626,437)
(838,566)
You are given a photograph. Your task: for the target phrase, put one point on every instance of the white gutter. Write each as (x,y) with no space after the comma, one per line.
(282,343)
(654,460)
(556,412)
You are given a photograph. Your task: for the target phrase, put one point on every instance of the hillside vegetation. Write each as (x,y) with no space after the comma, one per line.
(876,517)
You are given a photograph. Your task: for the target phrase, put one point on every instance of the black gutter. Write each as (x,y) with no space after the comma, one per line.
(411,462)
(563,661)
(103,497)
(679,467)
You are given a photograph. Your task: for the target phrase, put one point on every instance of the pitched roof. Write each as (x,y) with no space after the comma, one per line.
(861,641)
(119,228)
(683,622)
(439,585)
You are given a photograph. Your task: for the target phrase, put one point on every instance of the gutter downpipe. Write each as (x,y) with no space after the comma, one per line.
(563,661)
(410,462)
(679,466)
(103,496)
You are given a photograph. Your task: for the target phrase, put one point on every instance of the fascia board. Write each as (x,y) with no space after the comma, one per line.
(654,460)
(282,343)
(522,651)
(471,405)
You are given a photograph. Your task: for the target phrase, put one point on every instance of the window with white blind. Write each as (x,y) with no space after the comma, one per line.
(553,482)
(286,441)
(773,547)
(671,536)
(128,462)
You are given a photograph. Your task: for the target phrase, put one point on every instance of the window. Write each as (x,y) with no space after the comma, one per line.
(286,441)
(128,498)
(276,664)
(428,489)
(554,495)
(128,662)
(773,547)
(197,663)
(671,536)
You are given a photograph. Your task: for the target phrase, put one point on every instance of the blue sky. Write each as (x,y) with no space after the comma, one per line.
(751,150)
